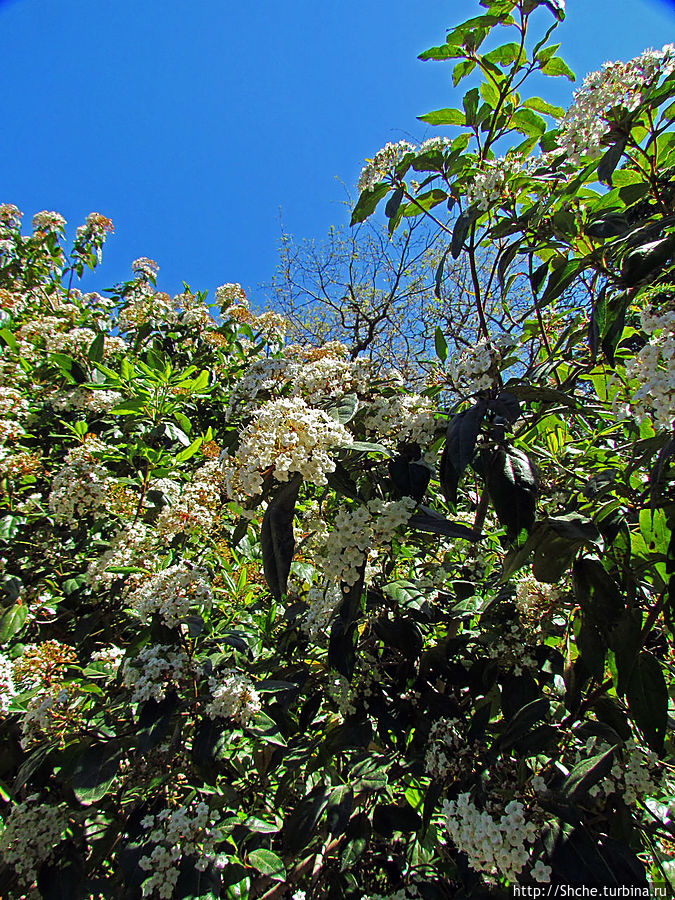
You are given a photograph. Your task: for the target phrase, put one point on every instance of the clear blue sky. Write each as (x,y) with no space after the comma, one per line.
(195,124)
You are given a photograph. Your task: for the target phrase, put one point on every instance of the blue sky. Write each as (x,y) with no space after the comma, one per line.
(195,126)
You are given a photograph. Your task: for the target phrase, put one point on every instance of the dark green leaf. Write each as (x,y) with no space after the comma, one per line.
(12,621)
(596,592)
(587,773)
(464,222)
(276,536)
(367,202)
(440,344)
(393,203)
(512,484)
(647,697)
(611,160)
(432,522)
(95,771)
(300,825)
(268,863)
(95,351)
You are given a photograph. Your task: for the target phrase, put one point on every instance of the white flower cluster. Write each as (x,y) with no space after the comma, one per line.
(110,657)
(322,600)
(7,689)
(635,776)
(194,505)
(316,378)
(129,547)
(435,144)
(382,164)
(186,831)
(403,418)
(49,714)
(153,671)
(509,646)
(604,94)
(536,601)
(145,305)
(197,317)
(233,697)
(475,369)
(96,227)
(146,268)
(86,400)
(32,832)
(654,369)
(495,844)
(81,486)
(231,295)
(48,221)
(10,215)
(56,335)
(358,532)
(171,593)
(12,408)
(284,436)
(449,754)
(488,186)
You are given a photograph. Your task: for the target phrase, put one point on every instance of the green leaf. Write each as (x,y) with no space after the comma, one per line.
(512,484)
(596,592)
(440,344)
(587,773)
(438,54)
(367,202)
(277,538)
(461,70)
(430,521)
(528,122)
(340,808)
(611,160)
(12,621)
(300,825)
(344,408)
(424,202)
(7,337)
(393,203)
(504,55)
(445,116)
(647,696)
(95,351)
(95,771)
(542,106)
(129,407)
(268,863)
(556,66)
(9,527)
(369,447)
(190,451)
(464,222)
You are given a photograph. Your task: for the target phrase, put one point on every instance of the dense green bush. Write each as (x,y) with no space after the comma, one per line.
(276,627)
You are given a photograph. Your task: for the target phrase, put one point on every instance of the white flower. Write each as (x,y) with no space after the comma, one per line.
(541,872)
(285,436)
(233,696)
(604,94)
(171,593)
(146,268)
(153,671)
(31,836)
(382,164)
(48,221)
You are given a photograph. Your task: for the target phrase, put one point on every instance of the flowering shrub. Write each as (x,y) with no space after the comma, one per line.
(275,627)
